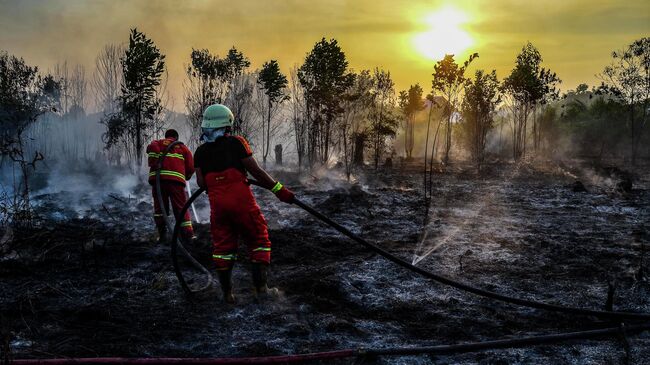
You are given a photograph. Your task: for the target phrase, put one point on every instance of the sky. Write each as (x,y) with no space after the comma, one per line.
(575,37)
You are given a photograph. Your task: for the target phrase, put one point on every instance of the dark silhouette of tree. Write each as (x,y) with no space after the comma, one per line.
(210,80)
(274,85)
(142,67)
(478,108)
(410,103)
(352,127)
(582,88)
(324,77)
(627,79)
(299,121)
(383,121)
(449,80)
(24,96)
(528,85)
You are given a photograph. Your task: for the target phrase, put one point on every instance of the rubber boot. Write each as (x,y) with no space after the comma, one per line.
(260,282)
(225,279)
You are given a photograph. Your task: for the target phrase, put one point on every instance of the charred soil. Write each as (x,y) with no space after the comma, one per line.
(89,279)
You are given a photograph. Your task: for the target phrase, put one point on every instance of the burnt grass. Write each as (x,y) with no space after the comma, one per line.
(88,278)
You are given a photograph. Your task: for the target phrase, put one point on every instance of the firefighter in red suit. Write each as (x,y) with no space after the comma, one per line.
(177,168)
(222,164)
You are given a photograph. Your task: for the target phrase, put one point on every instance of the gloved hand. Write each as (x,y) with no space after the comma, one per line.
(285,195)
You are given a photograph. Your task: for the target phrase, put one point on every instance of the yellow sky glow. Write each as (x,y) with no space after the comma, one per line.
(575,37)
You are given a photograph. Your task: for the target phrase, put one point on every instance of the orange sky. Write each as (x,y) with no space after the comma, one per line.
(575,37)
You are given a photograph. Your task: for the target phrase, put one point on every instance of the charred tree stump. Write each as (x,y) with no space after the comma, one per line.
(278,154)
(611,291)
(359,144)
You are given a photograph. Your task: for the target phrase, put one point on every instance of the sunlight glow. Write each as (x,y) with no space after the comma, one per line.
(445,35)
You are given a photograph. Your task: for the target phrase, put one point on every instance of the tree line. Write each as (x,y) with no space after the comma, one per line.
(329,112)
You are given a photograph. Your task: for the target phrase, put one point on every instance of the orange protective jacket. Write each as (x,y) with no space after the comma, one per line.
(178,164)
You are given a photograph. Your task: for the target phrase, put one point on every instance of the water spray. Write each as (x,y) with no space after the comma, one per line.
(611,315)
(189,194)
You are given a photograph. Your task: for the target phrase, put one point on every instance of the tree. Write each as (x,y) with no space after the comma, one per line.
(210,80)
(582,88)
(108,78)
(478,109)
(324,78)
(410,103)
(273,84)
(24,96)
(142,66)
(356,105)
(449,80)
(298,109)
(627,79)
(240,101)
(527,85)
(383,121)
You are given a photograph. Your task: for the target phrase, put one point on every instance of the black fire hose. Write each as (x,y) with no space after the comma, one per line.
(178,219)
(175,244)
(619,316)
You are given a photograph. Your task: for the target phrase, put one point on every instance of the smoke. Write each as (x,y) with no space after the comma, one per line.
(420,132)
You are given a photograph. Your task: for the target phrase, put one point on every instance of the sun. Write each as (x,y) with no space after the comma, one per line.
(445,34)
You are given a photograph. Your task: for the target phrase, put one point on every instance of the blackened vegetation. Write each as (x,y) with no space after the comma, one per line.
(98,286)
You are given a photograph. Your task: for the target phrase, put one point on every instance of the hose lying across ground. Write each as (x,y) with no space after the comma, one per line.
(436,277)
(442,349)
(353,353)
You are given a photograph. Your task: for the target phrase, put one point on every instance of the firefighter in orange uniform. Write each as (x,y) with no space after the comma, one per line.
(177,168)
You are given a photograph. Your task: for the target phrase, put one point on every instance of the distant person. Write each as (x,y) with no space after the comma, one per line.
(221,166)
(177,168)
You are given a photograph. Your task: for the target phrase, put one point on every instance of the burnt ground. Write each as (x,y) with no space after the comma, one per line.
(89,280)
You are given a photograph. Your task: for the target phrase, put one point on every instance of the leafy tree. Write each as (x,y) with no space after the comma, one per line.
(596,128)
(24,96)
(582,88)
(627,79)
(478,109)
(357,103)
(410,103)
(449,80)
(210,80)
(527,86)
(324,78)
(274,85)
(383,121)
(142,67)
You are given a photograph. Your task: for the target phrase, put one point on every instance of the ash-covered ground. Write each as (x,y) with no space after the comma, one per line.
(89,279)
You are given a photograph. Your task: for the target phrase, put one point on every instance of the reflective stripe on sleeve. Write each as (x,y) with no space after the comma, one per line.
(186,224)
(276,187)
(225,257)
(266,249)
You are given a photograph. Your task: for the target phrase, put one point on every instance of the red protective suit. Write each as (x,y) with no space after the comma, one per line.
(178,166)
(235,213)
